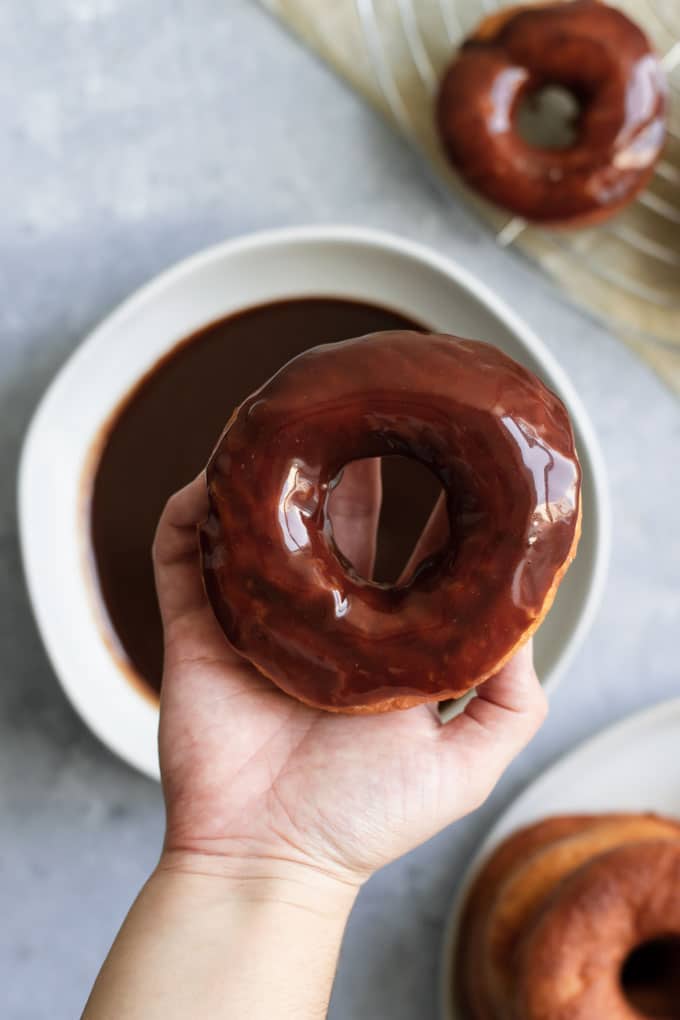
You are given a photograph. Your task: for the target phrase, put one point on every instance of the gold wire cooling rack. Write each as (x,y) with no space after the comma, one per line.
(627,270)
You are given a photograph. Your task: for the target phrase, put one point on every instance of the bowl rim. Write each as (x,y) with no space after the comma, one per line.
(380,242)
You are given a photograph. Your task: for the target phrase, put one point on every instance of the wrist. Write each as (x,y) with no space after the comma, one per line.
(213,878)
(211,936)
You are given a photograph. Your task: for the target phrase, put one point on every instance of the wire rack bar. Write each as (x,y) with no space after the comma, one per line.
(668,172)
(511,231)
(645,244)
(381,67)
(452,25)
(419,54)
(659,298)
(672,58)
(660,15)
(660,206)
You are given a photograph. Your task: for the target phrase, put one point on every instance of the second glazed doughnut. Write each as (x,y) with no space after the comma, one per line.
(600,56)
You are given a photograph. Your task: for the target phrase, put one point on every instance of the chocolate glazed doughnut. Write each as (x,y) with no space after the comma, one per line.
(502,447)
(605,61)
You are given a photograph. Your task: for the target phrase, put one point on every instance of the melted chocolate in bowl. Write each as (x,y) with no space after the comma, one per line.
(164,431)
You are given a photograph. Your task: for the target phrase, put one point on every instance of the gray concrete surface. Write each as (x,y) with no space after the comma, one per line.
(135,133)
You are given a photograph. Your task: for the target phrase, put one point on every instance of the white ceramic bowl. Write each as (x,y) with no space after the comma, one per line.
(333,261)
(632,766)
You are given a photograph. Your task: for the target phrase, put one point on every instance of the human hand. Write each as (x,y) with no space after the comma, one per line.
(255,781)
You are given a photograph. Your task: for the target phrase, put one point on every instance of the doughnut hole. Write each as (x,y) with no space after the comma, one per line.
(409,493)
(650,977)
(547,118)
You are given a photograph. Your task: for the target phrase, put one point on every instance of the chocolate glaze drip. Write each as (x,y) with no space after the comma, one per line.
(502,447)
(605,61)
(162,434)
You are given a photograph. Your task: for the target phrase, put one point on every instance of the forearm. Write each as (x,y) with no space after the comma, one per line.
(203,944)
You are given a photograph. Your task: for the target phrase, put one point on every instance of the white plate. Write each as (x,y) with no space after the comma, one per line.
(631,766)
(337,261)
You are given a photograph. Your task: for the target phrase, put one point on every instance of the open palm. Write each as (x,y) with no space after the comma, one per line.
(249,773)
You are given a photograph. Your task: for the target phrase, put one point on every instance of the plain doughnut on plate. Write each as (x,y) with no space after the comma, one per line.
(630,769)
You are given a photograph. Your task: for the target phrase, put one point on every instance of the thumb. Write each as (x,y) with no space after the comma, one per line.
(497,724)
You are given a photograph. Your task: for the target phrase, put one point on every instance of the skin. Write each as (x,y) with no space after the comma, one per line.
(277,812)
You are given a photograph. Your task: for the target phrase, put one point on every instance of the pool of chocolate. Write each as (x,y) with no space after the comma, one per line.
(162,435)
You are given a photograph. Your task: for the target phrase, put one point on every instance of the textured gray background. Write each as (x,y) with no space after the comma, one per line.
(133,133)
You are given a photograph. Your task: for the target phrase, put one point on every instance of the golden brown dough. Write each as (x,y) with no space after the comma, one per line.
(470,991)
(525,892)
(572,959)
(514,890)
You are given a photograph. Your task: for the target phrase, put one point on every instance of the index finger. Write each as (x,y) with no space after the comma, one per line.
(433,537)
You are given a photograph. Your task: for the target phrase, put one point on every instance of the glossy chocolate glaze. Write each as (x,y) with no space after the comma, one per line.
(502,447)
(599,55)
(163,433)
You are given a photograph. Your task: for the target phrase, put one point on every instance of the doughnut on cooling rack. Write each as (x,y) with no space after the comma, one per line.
(625,271)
